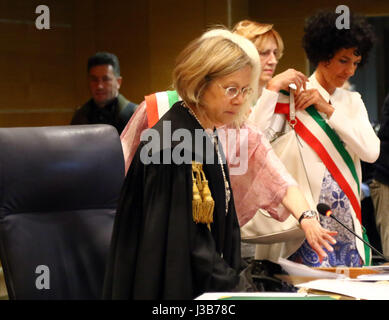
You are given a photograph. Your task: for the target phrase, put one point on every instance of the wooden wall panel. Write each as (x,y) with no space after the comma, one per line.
(44,71)
(84,44)
(172,25)
(36,77)
(122,27)
(36,118)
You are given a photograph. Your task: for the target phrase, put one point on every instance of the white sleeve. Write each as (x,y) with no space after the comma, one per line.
(263,111)
(351,122)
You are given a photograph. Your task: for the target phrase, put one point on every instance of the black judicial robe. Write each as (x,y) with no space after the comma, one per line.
(157,250)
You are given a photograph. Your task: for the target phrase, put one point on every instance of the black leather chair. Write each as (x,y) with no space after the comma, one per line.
(59,188)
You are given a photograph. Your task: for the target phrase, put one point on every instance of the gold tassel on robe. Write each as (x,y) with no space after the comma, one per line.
(202,203)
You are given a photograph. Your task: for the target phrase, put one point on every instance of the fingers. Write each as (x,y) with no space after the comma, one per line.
(299,79)
(284,79)
(308,98)
(302,78)
(326,245)
(330,234)
(326,242)
(321,253)
(319,245)
(304,99)
(319,239)
(305,83)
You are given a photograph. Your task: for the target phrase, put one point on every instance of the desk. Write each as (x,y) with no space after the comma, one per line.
(225,296)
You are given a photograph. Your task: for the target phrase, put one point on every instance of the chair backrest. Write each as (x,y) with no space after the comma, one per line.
(59,188)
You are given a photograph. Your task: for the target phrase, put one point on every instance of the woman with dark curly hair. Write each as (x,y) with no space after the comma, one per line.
(333,134)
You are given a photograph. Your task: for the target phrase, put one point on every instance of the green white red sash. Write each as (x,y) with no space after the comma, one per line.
(309,125)
(157,104)
(330,150)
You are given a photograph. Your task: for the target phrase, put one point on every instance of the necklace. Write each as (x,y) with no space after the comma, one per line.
(220,160)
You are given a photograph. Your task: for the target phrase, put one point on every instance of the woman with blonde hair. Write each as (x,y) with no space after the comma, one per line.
(256,227)
(270,47)
(176,233)
(259,34)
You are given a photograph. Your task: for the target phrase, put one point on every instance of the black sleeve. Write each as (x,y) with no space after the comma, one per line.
(212,273)
(158,252)
(383,133)
(125,116)
(80,117)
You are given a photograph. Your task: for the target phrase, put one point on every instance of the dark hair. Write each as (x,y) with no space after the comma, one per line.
(101,58)
(322,38)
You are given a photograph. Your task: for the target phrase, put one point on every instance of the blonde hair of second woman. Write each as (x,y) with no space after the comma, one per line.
(215,54)
(259,33)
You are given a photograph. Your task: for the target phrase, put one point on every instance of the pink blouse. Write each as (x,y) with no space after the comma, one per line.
(262,185)
(130,137)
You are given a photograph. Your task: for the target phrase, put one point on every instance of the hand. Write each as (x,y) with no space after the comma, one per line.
(318,237)
(283,80)
(304,99)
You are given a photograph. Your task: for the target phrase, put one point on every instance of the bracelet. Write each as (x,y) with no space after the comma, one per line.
(308,214)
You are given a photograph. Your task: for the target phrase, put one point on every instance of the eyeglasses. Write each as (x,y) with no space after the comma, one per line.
(233,92)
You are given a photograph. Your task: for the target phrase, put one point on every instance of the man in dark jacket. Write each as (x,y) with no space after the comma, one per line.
(379,188)
(106,105)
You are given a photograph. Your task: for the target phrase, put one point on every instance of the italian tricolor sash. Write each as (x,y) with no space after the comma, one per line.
(330,149)
(310,125)
(157,104)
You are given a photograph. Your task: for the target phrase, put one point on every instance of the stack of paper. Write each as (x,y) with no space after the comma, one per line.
(300,270)
(371,286)
(349,287)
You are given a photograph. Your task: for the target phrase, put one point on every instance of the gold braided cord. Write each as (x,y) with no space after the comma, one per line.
(202,202)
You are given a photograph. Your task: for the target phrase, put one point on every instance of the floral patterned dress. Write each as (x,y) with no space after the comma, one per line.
(345,251)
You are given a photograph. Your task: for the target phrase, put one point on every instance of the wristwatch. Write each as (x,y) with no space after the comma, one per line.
(309,214)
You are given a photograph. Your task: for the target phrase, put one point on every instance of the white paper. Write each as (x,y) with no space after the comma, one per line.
(374,277)
(275,295)
(355,289)
(380,268)
(300,270)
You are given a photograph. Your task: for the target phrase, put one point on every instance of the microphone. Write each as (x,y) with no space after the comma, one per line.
(325,210)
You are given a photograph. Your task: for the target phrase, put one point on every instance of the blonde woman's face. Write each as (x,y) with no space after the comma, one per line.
(219,108)
(268,53)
